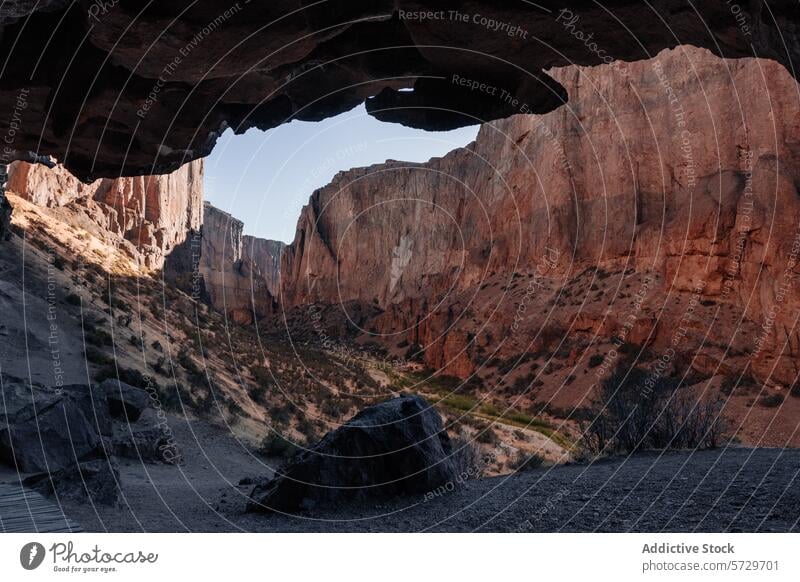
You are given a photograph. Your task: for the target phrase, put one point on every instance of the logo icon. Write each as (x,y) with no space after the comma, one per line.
(31,555)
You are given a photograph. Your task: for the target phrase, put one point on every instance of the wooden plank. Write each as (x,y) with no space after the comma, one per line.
(22,510)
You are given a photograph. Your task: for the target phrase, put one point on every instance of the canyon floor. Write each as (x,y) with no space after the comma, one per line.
(733,489)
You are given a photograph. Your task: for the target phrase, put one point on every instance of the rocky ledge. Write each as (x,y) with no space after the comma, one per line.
(118,88)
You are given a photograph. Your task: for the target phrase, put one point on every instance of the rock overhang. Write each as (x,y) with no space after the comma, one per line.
(136,88)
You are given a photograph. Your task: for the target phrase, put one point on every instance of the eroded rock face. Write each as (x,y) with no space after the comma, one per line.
(240,273)
(394,448)
(66,430)
(47,431)
(120,89)
(163,221)
(683,169)
(154,214)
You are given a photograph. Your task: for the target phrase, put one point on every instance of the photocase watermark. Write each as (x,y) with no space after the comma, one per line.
(168,447)
(66,558)
(621,337)
(195,253)
(184,52)
(99,8)
(491,24)
(785,286)
(32,555)
(15,123)
(502,94)
(571,21)
(662,364)
(320,172)
(7,154)
(344,352)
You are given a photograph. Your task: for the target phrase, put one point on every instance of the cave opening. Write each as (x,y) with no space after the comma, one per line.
(265,178)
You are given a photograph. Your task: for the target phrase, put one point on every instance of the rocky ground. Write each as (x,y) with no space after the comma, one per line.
(733,489)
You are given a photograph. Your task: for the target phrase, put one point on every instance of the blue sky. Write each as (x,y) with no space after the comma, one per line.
(265,178)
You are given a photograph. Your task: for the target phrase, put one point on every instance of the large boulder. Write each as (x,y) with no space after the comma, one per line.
(93,403)
(47,430)
(125,402)
(397,447)
(148,439)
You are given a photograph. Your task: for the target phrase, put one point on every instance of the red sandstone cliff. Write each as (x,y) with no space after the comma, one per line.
(672,175)
(153,213)
(163,223)
(240,273)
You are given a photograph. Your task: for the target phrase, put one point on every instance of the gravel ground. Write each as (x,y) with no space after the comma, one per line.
(733,489)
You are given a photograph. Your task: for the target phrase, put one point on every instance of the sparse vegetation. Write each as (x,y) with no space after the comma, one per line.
(595,360)
(258,393)
(276,445)
(771,400)
(636,410)
(526,462)
(73,299)
(96,356)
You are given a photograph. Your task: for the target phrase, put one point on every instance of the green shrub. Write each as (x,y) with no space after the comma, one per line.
(771,400)
(487,436)
(58,262)
(275,445)
(637,410)
(526,462)
(595,360)
(98,337)
(257,394)
(262,375)
(73,299)
(98,357)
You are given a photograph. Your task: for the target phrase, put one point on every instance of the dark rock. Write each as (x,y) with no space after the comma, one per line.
(45,430)
(314,60)
(148,439)
(96,481)
(125,402)
(93,403)
(397,447)
(5,218)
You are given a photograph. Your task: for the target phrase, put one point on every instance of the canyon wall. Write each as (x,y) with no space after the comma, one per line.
(153,213)
(240,272)
(163,222)
(686,167)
